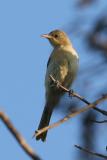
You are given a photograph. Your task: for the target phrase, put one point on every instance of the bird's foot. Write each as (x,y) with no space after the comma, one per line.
(58,84)
(55,84)
(71,93)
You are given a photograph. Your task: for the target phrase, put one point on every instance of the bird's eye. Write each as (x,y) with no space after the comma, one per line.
(55,35)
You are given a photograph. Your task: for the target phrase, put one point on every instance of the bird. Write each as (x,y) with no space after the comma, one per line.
(63,65)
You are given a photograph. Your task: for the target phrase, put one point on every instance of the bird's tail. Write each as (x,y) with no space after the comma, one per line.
(46,115)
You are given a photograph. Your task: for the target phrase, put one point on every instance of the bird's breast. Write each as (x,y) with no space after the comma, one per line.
(63,67)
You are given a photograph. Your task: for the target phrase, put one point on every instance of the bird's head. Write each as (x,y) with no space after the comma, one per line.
(57,38)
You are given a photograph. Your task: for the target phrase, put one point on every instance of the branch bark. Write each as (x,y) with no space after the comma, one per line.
(38,132)
(91,152)
(21,141)
(95,121)
(74,94)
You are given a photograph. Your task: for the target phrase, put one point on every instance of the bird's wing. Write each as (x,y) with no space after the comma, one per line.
(58,68)
(72,71)
(62,68)
(48,61)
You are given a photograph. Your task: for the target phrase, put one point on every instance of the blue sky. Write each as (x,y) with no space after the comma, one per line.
(23,58)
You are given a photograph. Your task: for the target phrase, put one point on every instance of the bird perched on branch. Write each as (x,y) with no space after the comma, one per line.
(63,66)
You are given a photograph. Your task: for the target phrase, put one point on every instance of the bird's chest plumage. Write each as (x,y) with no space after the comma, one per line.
(62,66)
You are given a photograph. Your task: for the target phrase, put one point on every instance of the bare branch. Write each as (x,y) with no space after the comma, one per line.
(74,94)
(38,132)
(95,121)
(21,141)
(91,152)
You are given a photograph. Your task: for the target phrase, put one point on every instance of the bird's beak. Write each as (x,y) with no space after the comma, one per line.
(46,36)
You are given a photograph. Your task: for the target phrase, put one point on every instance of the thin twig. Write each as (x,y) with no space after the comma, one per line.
(21,141)
(38,132)
(74,94)
(91,152)
(95,121)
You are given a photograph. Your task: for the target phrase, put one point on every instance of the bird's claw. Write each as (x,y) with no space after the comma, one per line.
(57,84)
(70,92)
